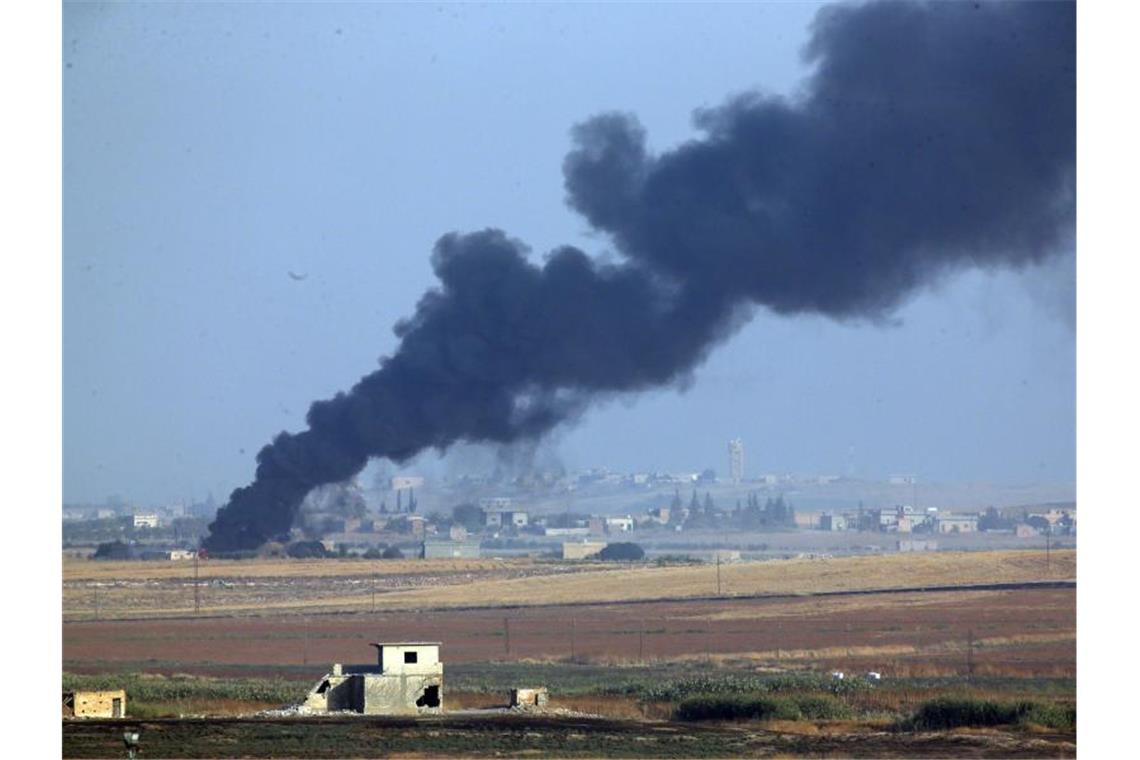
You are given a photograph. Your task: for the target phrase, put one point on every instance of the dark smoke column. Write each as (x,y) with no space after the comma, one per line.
(930,138)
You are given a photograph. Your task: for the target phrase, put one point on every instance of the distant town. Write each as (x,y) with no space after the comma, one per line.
(686,515)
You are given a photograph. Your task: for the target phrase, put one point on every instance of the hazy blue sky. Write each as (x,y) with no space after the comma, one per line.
(212,149)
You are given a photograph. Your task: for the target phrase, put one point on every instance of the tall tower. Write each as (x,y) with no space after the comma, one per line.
(736,460)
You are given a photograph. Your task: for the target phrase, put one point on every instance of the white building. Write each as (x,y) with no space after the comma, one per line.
(948,523)
(146,520)
(736,460)
(620,524)
(502,518)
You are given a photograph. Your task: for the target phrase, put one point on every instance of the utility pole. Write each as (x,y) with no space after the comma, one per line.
(970,653)
(196,600)
(1048,546)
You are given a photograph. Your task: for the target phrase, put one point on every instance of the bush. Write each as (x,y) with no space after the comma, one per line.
(822,707)
(392,552)
(676,689)
(622,551)
(373,553)
(113,550)
(306,550)
(955,712)
(709,707)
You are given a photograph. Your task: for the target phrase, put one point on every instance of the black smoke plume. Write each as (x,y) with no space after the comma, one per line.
(929,138)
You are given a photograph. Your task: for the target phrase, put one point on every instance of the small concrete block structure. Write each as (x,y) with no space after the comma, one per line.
(95,704)
(407,680)
(529,698)
(581,549)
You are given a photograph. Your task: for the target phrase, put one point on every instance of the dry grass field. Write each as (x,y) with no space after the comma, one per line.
(132,590)
(90,570)
(313,613)
(588,631)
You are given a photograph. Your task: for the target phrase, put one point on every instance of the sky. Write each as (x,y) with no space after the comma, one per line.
(251,193)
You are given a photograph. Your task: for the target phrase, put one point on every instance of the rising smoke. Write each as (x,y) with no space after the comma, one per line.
(929,138)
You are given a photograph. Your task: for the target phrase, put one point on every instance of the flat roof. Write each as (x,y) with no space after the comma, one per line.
(406,644)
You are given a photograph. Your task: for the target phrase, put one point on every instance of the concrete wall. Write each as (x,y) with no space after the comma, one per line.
(391,687)
(427,659)
(529,697)
(399,694)
(99,704)
(581,549)
(450,549)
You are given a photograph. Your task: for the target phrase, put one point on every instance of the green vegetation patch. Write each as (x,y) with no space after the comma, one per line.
(761,707)
(156,689)
(956,712)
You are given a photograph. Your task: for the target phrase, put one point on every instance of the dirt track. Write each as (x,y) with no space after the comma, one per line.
(516,735)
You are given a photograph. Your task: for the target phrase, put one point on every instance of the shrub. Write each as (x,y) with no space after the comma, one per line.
(113,550)
(622,551)
(709,707)
(822,707)
(306,549)
(954,712)
(392,552)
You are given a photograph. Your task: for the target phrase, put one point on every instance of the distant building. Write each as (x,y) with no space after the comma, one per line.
(502,518)
(566,532)
(581,549)
(597,526)
(725,555)
(619,524)
(496,504)
(917,545)
(736,460)
(949,523)
(146,520)
(457,533)
(660,515)
(888,520)
(450,549)
(832,522)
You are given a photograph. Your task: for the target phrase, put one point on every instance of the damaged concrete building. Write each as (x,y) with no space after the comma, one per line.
(95,704)
(530,698)
(407,680)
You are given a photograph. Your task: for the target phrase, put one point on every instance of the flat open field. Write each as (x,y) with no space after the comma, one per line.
(544,736)
(1023,632)
(130,590)
(590,632)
